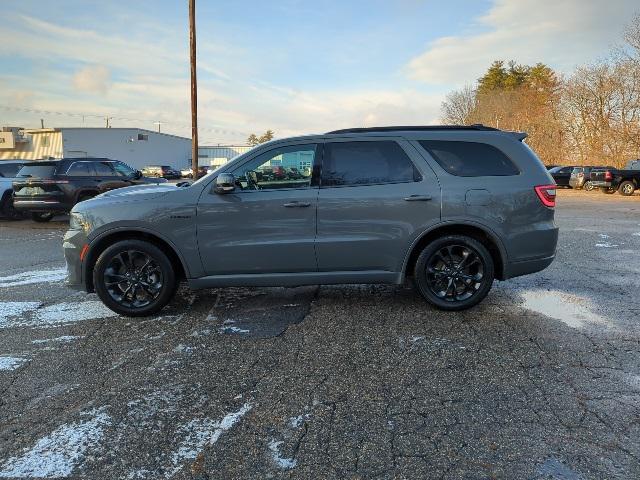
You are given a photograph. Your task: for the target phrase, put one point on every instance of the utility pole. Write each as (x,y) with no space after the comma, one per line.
(158,124)
(194,89)
(42,123)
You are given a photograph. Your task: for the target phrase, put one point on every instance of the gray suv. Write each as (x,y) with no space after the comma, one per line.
(452,207)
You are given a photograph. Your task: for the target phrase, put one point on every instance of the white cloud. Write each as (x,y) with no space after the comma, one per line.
(561,33)
(93,79)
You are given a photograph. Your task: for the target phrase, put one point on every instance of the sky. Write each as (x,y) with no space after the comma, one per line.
(291,66)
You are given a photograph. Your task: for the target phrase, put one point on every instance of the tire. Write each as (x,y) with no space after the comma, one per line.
(152,287)
(432,269)
(7,209)
(607,190)
(42,217)
(626,188)
(588,186)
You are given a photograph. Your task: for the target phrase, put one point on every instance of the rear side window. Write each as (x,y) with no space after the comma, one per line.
(470,159)
(80,169)
(9,170)
(46,170)
(366,163)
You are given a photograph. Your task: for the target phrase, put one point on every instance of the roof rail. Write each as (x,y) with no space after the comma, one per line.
(414,128)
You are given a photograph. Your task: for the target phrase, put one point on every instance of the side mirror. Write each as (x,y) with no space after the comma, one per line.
(225,183)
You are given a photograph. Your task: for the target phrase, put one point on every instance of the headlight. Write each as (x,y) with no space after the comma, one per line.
(78,222)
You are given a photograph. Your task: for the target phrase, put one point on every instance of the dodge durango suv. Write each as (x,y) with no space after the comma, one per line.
(452,207)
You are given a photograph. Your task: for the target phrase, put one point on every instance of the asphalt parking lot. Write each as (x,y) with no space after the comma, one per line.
(542,380)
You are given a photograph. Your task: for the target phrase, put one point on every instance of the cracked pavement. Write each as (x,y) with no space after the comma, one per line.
(542,380)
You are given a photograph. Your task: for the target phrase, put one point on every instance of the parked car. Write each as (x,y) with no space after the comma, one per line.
(625,181)
(581,177)
(8,171)
(46,188)
(161,171)
(452,207)
(561,175)
(188,172)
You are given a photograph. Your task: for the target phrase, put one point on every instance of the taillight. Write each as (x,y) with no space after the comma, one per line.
(607,176)
(546,194)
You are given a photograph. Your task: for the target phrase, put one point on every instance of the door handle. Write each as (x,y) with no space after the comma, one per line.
(297,204)
(418,198)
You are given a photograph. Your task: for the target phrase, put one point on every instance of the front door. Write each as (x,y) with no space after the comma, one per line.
(268,224)
(373,199)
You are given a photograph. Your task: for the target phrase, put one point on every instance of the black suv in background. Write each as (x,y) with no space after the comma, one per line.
(561,175)
(45,188)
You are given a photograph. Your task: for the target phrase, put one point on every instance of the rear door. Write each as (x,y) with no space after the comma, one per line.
(375,195)
(107,178)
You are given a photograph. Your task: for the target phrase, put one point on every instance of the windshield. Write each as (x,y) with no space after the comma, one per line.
(555,169)
(43,170)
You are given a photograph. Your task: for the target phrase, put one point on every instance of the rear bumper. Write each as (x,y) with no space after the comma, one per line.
(517,269)
(576,183)
(33,205)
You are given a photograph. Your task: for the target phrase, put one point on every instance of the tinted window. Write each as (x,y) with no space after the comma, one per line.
(103,169)
(44,170)
(123,169)
(285,167)
(366,163)
(9,170)
(80,169)
(470,159)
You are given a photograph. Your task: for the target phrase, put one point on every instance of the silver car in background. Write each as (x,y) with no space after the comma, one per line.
(451,207)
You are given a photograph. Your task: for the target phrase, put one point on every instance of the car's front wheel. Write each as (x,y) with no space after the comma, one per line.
(454,272)
(588,186)
(134,278)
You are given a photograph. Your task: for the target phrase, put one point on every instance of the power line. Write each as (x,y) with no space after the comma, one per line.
(218,130)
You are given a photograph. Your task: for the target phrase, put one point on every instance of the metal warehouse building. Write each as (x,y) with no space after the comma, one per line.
(134,146)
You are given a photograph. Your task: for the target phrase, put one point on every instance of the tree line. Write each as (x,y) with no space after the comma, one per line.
(590,117)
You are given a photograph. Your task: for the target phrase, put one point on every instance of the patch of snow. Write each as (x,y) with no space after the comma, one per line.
(11,363)
(572,310)
(233,330)
(64,338)
(36,276)
(184,349)
(201,333)
(603,235)
(60,314)
(278,459)
(606,245)
(636,234)
(201,432)
(296,422)
(60,452)
(12,309)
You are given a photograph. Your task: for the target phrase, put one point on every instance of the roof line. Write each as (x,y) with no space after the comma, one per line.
(417,128)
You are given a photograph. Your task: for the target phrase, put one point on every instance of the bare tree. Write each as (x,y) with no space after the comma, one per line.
(459,105)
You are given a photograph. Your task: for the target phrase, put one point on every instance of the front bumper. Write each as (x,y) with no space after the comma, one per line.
(73,244)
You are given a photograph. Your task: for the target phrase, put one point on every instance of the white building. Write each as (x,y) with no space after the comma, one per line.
(220,154)
(134,146)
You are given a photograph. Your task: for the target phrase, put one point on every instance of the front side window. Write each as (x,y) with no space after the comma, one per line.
(470,159)
(10,170)
(123,169)
(366,163)
(285,167)
(103,169)
(80,169)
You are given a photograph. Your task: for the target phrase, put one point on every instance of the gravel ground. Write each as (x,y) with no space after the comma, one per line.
(542,380)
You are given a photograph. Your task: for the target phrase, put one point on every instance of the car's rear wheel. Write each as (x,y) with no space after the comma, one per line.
(454,272)
(626,188)
(42,217)
(588,186)
(134,278)
(8,209)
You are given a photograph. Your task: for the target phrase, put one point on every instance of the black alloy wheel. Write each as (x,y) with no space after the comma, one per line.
(134,278)
(454,272)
